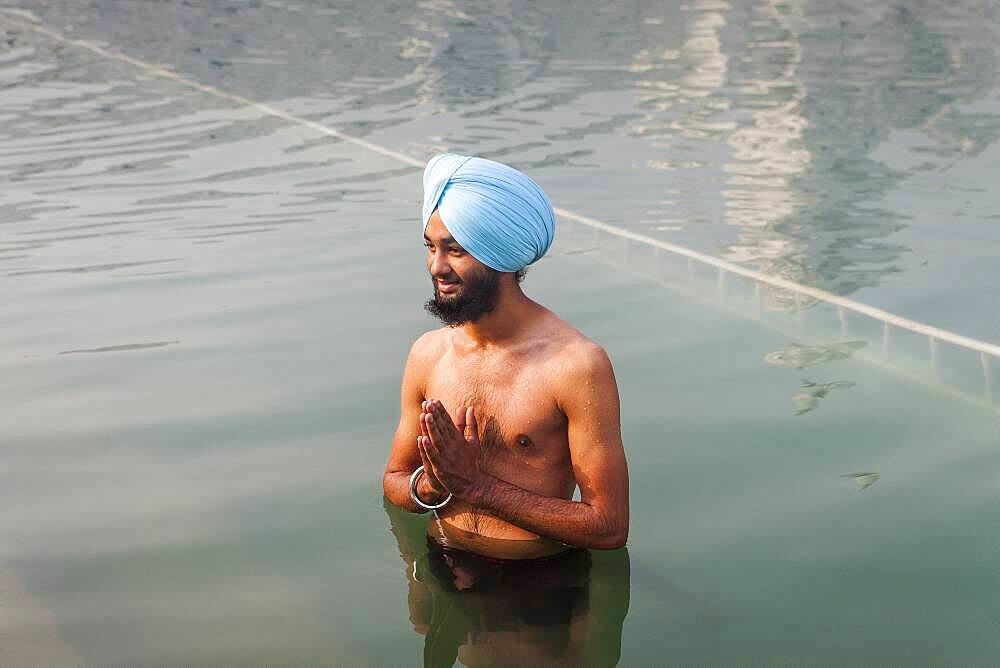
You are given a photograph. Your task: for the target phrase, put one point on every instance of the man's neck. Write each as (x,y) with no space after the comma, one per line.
(504,323)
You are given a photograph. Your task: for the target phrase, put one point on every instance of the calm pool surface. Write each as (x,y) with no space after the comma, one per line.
(209,308)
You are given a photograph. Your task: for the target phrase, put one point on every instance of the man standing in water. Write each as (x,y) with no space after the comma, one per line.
(507,408)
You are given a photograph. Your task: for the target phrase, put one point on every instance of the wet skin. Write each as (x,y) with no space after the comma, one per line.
(510,413)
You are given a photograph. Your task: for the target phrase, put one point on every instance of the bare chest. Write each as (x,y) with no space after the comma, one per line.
(519,420)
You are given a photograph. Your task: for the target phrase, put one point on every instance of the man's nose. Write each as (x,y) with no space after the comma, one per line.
(439,265)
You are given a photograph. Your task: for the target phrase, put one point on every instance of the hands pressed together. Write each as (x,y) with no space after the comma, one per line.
(449,450)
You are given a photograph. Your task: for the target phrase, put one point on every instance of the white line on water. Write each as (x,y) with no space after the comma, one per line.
(774,281)
(778,282)
(930,380)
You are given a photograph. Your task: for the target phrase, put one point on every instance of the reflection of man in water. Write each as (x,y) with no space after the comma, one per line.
(566,610)
(508,408)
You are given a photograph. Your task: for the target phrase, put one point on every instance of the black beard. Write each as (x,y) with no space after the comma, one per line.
(478,296)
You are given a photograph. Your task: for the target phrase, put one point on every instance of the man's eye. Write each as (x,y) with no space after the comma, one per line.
(428,246)
(456,251)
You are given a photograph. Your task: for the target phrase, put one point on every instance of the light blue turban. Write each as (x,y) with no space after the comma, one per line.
(499,215)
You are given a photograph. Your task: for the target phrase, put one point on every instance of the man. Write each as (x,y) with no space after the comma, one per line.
(507,408)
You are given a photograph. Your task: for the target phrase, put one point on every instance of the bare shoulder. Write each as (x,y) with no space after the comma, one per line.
(578,360)
(424,352)
(428,345)
(585,389)
(584,359)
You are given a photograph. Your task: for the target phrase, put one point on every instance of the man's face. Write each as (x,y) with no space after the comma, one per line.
(464,288)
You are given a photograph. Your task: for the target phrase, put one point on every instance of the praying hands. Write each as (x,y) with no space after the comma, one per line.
(450,450)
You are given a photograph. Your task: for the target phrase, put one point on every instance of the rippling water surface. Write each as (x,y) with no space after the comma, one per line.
(209,308)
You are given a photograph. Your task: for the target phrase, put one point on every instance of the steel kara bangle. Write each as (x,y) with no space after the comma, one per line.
(414,478)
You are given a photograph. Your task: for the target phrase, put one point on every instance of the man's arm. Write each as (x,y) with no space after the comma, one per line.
(404,457)
(588,396)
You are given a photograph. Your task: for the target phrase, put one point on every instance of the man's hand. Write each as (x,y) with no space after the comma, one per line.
(429,479)
(450,448)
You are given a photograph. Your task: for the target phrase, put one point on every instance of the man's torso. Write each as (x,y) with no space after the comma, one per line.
(523,432)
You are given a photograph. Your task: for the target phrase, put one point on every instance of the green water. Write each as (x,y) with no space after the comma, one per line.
(209,309)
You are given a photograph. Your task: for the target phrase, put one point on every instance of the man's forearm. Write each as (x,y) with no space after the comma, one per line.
(396,486)
(572,522)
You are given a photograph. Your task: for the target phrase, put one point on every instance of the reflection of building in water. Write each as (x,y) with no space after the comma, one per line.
(866,70)
(565,610)
(870,70)
(767,150)
(683,76)
(803,96)
(768,155)
(749,103)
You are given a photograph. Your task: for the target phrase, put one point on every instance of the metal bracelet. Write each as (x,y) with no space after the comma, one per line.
(414,477)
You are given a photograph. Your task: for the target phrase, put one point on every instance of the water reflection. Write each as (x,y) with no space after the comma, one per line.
(807,401)
(863,480)
(875,73)
(798,356)
(567,610)
(794,138)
